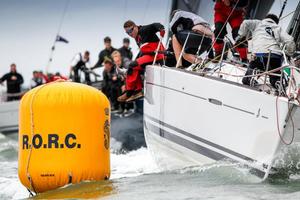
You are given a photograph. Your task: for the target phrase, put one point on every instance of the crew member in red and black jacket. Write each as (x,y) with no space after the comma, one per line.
(223,12)
(148,41)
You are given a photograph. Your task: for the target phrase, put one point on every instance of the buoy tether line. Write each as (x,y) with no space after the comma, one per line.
(30,146)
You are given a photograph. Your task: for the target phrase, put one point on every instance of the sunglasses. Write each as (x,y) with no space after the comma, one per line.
(129,31)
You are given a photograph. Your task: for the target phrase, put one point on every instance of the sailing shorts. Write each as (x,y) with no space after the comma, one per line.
(193,42)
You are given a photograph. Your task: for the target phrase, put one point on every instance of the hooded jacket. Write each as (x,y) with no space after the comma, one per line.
(266,34)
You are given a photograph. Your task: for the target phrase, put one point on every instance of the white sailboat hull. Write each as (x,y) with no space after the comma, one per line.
(193,120)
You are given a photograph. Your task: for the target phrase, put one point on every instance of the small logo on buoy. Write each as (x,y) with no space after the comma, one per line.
(106,111)
(106,134)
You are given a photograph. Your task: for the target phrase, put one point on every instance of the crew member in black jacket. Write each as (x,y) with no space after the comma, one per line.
(105,53)
(125,50)
(13,82)
(112,82)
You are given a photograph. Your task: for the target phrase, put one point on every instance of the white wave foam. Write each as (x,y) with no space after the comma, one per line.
(134,163)
(2,136)
(10,186)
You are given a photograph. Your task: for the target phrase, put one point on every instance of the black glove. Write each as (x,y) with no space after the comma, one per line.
(131,66)
(240,40)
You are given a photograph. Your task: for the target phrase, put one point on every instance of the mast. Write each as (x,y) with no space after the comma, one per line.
(282,9)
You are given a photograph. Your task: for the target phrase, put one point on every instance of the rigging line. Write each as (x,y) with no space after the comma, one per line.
(63,16)
(270,72)
(235,45)
(167,20)
(168,13)
(287,15)
(58,31)
(125,10)
(146,11)
(281,135)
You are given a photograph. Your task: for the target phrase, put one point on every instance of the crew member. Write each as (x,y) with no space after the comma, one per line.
(112,82)
(194,31)
(81,62)
(125,50)
(121,63)
(146,38)
(13,83)
(121,66)
(266,35)
(231,11)
(36,80)
(105,53)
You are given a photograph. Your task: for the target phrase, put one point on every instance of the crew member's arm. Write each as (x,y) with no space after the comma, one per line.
(130,54)
(248,26)
(100,61)
(158,27)
(3,78)
(238,4)
(241,3)
(288,41)
(174,22)
(74,62)
(104,82)
(88,65)
(20,79)
(226,2)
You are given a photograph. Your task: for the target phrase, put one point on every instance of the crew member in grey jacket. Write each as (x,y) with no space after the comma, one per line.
(266,35)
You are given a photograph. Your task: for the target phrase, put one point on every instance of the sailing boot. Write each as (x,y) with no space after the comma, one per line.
(137,95)
(125,96)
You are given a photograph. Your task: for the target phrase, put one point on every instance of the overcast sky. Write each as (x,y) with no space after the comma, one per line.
(28,29)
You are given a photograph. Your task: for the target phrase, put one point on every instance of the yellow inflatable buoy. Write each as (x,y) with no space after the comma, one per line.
(64,133)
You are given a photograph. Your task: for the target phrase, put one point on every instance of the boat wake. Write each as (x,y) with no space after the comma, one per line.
(287,163)
(10,186)
(134,163)
(126,166)
(224,172)
(131,164)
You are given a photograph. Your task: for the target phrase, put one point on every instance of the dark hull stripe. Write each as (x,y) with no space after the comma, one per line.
(239,109)
(193,136)
(15,127)
(183,142)
(194,147)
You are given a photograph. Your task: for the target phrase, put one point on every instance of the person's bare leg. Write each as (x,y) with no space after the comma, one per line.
(191,58)
(177,49)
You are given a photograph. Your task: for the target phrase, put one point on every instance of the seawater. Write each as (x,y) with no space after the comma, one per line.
(136,176)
